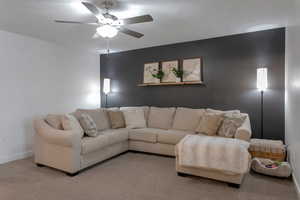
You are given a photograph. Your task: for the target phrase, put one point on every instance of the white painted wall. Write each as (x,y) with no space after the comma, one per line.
(292,101)
(36,78)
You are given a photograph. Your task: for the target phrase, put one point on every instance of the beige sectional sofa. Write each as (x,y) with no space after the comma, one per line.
(68,151)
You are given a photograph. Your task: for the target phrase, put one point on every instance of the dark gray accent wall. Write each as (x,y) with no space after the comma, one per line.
(229,67)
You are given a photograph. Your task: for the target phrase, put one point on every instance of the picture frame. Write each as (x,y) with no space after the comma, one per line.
(192,70)
(167,68)
(149,69)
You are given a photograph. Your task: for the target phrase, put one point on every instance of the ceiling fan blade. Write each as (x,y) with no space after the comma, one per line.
(138,19)
(91,7)
(74,22)
(130,32)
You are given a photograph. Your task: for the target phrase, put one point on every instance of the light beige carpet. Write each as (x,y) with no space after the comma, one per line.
(131,176)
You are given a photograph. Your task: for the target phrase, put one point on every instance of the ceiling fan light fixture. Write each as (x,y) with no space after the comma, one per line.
(106,21)
(107,31)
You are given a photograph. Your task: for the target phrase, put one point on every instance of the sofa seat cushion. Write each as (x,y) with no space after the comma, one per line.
(172,136)
(104,139)
(145,134)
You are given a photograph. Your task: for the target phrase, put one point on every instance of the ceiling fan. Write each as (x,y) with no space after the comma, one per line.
(109,25)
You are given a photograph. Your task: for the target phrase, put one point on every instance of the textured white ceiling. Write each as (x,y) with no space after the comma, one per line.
(174,20)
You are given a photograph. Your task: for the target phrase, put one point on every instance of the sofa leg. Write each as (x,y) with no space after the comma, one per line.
(39,165)
(72,174)
(234,185)
(181,174)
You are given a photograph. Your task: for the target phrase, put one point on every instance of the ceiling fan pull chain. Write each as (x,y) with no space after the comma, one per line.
(107,45)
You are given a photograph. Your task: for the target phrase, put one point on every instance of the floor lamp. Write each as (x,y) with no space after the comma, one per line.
(262,86)
(106,89)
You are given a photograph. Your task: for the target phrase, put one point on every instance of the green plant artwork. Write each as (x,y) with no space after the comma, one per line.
(158,74)
(178,73)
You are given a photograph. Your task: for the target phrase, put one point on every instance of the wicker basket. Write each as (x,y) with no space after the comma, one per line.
(271,149)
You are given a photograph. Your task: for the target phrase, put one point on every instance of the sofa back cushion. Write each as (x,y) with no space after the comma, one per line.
(228,112)
(134,118)
(144,108)
(99,116)
(187,119)
(210,123)
(161,117)
(116,119)
(113,109)
(55,121)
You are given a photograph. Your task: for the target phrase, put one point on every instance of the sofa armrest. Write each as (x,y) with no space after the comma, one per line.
(51,135)
(244,132)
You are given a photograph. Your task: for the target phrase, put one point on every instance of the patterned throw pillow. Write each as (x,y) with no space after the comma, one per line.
(88,125)
(69,122)
(210,123)
(230,125)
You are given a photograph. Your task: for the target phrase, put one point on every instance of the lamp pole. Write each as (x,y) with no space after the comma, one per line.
(262,114)
(106,100)
(106,89)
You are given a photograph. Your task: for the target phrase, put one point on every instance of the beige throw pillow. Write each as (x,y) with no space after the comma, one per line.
(54,121)
(69,122)
(99,116)
(116,119)
(134,118)
(161,117)
(187,119)
(210,123)
(230,124)
(88,125)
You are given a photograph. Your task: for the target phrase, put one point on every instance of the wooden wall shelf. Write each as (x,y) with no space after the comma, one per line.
(163,84)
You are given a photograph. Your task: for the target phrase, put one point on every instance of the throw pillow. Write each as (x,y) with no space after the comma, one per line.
(210,123)
(69,122)
(88,125)
(161,117)
(116,119)
(230,125)
(54,121)
(99,116)
(134,118)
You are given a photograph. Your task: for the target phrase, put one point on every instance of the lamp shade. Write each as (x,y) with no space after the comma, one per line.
(262,79)
(106,86)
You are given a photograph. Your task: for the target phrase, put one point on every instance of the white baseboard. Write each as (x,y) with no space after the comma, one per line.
(5,159)
(296,185)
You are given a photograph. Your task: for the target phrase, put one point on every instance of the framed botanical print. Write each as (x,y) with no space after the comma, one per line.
(149,69)
(192,70)
(168,68)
